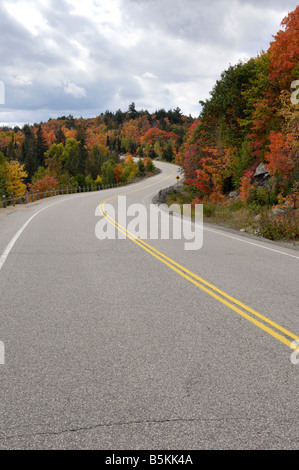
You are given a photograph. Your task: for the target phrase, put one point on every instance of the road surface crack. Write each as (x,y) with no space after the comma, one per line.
(105,425)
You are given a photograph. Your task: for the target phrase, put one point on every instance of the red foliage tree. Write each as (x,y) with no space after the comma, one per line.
(44,184)
(284,52)
(282,158)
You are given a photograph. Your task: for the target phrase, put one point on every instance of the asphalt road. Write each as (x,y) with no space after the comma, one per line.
(111,345)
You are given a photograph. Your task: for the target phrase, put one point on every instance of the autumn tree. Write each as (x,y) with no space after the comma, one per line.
(118,172)
(283,158)
(149,165)
(54,159)
(248,119)
(15,178)
(284,52)
(44,184)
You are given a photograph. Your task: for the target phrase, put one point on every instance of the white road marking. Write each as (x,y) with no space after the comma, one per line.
(239,239)
(12,242)
(250,243)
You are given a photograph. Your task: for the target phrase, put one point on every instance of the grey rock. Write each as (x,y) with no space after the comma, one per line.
(261,175)
(261,171)
(277,211)
(163,193)
(233,194)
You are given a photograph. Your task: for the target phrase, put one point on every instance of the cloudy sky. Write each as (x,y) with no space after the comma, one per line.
(60,57)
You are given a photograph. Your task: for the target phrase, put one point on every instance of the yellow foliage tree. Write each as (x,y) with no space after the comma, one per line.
(98,180)
(15,177)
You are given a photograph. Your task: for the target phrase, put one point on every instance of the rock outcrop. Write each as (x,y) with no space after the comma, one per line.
(261,175)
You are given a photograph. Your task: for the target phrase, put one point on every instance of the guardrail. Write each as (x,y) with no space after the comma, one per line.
(30,196)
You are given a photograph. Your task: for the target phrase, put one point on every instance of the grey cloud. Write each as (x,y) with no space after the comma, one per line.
(204,21)
(185,44)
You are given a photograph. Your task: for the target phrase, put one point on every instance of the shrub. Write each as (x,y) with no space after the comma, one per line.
(89,180)
(236,205)
(98,180)
(80,180)
(44,184)
(209,209)
(263,196)
(283,226)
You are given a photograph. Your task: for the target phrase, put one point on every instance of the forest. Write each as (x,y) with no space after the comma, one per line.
(249,122)
(252,117)
(70,151)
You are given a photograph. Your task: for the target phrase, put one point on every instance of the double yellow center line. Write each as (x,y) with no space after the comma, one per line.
(274,329)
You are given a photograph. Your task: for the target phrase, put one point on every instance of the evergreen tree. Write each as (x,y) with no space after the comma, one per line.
(93,162)
(41,146)
(141,167)
(132,113)
(152,153)
(82,155)
(3,175)
(118,118)
(28,153)
(11,149)
(168,153)
(60,136)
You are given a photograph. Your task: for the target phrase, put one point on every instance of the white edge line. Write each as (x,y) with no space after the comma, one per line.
(14,239)
(250,243)
(12,242)
(239,239)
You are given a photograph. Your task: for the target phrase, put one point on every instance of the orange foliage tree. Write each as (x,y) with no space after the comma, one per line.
(284,52)
(44,184)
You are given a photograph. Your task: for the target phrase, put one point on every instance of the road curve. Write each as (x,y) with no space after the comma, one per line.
(129,344)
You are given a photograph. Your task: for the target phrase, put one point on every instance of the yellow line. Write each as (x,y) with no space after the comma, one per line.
(185,273)
(138,189)
(232,299)
(160,256)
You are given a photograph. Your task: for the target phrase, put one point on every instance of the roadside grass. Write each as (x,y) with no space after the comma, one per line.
(251,218)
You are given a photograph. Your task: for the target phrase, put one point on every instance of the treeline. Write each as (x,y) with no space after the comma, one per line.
(67,151)
(252,117)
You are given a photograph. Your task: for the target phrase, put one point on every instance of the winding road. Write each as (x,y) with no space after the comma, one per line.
(140,344)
